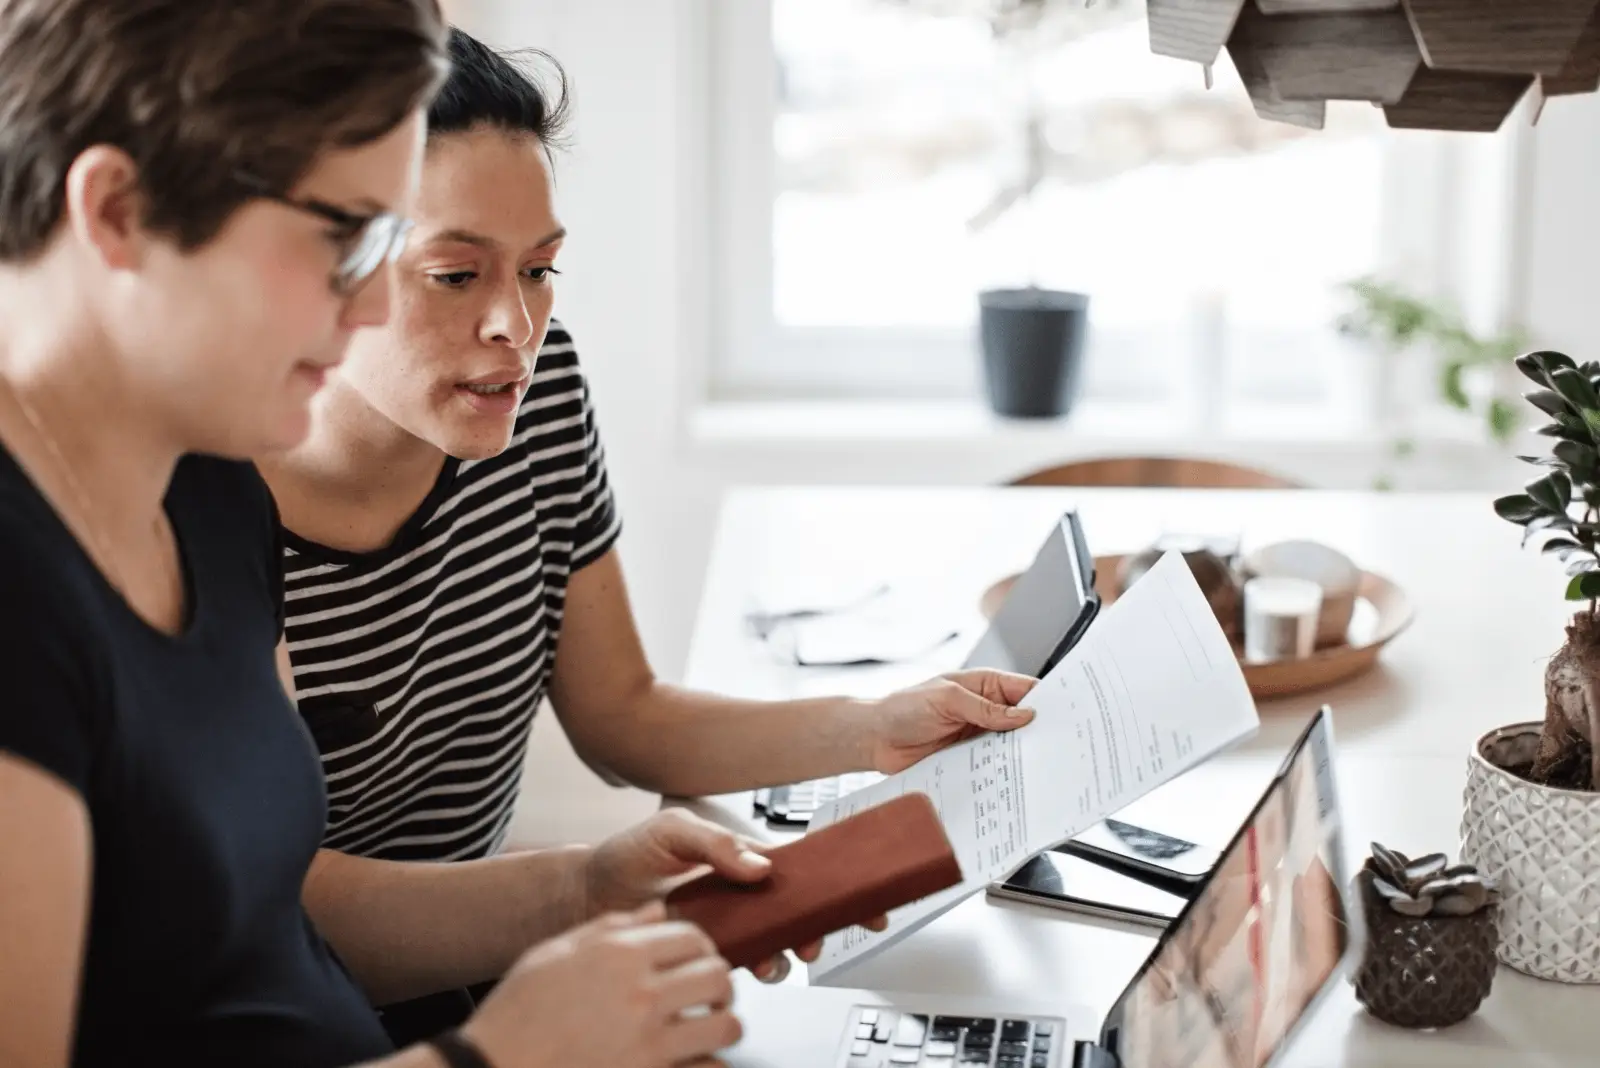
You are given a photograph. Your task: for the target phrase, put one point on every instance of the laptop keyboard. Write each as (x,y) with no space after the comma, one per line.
(795,803)
(813,794)
(884,1038)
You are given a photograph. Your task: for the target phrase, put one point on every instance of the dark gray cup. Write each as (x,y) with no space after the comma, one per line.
(1032,349)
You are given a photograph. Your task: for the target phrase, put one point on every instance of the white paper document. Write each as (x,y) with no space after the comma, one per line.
(1152,689)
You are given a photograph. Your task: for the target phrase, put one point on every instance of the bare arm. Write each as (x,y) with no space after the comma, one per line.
(44,910)
(675,741)
(409,929)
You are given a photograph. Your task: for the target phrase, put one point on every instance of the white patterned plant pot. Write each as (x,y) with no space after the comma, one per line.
(1542,847)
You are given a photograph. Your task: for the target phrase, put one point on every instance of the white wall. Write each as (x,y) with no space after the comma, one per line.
(630,260)
(1561,288)
(634,192)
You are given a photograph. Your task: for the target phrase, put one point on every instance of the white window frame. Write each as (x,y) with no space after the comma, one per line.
(1452,222)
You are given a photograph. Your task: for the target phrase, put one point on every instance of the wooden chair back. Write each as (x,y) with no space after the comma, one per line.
(1155,471)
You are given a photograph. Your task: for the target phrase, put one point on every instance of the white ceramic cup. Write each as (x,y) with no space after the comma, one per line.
(1329,568)
(1280,618)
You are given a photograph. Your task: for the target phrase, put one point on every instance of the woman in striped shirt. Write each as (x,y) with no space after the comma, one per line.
(450,518)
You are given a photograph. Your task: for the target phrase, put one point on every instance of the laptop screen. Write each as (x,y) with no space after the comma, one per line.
(1236,972)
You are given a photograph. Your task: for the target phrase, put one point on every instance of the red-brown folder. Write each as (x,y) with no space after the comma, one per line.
(841,875)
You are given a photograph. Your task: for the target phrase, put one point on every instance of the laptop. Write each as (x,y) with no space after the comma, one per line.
(1044,614)
(1262,941)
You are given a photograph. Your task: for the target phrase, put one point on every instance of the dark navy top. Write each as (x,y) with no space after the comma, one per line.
(203,787)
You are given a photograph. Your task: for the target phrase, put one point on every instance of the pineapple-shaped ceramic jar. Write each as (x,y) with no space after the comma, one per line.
(1431,939)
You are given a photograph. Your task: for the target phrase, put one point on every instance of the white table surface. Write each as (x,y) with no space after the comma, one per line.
(1488,616)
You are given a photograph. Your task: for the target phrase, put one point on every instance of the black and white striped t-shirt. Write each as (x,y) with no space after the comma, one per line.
(419,667)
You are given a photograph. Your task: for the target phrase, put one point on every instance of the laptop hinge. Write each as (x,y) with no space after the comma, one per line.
(1092,1055)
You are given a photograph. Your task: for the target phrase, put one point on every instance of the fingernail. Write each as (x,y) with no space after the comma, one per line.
(754,859)
(1013,711)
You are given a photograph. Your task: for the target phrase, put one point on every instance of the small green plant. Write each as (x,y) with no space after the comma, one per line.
(1396,319)
(1570,395)
(1562,507)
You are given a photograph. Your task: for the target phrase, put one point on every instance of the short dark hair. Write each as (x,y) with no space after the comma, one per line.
(196,91)
(489,88)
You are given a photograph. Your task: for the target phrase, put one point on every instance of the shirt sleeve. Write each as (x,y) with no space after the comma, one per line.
(47,714)
(599,523)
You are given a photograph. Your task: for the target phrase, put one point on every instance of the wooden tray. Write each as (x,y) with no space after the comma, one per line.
(1382,612)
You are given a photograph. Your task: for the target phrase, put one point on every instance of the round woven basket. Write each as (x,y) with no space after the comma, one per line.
(1424,972)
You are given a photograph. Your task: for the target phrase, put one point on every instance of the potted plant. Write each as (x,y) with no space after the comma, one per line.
(1032,337)
(1430,949)
(1396,320)
(1532,819)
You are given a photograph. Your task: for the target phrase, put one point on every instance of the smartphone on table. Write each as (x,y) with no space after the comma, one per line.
(1114,870)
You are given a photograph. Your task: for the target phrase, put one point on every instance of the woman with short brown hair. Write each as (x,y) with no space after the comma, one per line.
(198,200)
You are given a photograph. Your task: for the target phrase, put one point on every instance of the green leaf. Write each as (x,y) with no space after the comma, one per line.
(1553,492)
(1576,424)
(1548,401)
(1566,433)
(1546,522)
(1503,420)
(1517,508)
(1591,420)
(1578,457)
(1579,564)
(1450,385)
(1584,587)
(1571,384)
(1539,365)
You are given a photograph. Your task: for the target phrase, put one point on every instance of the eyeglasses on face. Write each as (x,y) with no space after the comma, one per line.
(366,241)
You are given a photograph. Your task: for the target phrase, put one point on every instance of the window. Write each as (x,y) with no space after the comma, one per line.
(871,157)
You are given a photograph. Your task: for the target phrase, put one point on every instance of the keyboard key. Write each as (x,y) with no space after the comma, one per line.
(937,1062)
(869,1016)
(1013,1049)
(1041,1060)
(905,1056)
(979,1039)
(911,1031)
(953,1022)
(943,1030)
(864,1031)
(1044,1028)
(1010,1062)
(975,1056)
(884,1029)
(860,1048)
(1041,1043)
(981,1025)
(1014,1031)
(940,1049)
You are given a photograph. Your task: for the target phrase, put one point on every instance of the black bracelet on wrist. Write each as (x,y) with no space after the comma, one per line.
(458,1051)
